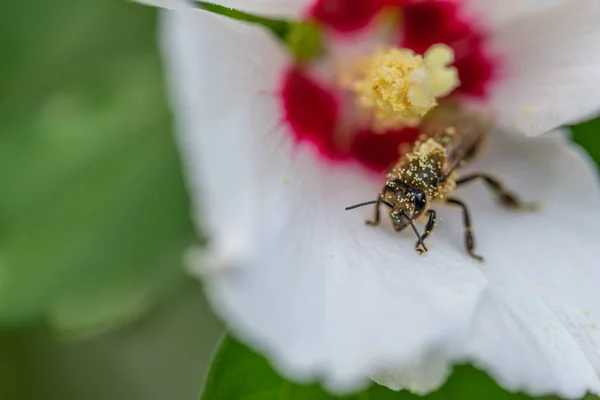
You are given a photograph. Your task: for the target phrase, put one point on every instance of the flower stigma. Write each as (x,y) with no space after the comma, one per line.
(399,87)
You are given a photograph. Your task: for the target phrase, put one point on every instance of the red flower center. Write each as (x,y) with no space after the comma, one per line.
(314,112)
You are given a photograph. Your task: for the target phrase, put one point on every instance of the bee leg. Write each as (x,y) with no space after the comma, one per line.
(469,238)
(428,229)
(375,222)
(400,221)
(504,196)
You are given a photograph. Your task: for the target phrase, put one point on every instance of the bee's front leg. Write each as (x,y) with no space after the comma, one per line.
(428,229)
(400,221)
(377,219)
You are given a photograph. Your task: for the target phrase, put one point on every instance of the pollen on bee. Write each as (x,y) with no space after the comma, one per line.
(399,87)
(450,130)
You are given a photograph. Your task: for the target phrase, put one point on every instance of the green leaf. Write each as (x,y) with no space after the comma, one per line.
(587,134)
(158,358)
(239,373)
(278,27)
(93,209)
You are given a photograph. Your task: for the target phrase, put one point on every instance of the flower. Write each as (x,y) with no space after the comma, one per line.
(325,296)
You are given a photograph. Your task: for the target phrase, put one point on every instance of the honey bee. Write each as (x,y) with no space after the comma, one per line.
(427,173)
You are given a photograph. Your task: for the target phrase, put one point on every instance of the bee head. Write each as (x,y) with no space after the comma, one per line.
(411,200)
(396,196)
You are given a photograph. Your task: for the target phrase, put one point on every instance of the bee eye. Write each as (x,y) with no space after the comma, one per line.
(419,201)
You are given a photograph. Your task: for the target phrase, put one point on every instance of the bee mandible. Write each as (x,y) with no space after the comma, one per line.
(427,173)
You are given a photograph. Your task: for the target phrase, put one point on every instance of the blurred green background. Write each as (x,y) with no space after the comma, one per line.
(93,215)
(93,212)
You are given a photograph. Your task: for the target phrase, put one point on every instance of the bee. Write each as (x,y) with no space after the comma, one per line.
(427,173)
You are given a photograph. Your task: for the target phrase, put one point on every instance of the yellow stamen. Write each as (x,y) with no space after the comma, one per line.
(399,87)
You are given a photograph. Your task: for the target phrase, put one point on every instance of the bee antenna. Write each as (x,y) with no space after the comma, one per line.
(410,221)
(366,203)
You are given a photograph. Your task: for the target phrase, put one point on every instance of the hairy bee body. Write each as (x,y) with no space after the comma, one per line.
(420,168)
(426,174)
(448,140)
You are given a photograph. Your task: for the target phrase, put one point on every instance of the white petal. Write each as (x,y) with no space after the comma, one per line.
(230,74)
(553,61)
(540,311)
(324,295)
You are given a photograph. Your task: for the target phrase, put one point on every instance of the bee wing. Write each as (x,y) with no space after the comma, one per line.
(460,130)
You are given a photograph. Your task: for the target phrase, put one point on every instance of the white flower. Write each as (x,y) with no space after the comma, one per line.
(325,296)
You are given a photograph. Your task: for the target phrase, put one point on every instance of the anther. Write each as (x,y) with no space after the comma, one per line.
(399,87)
